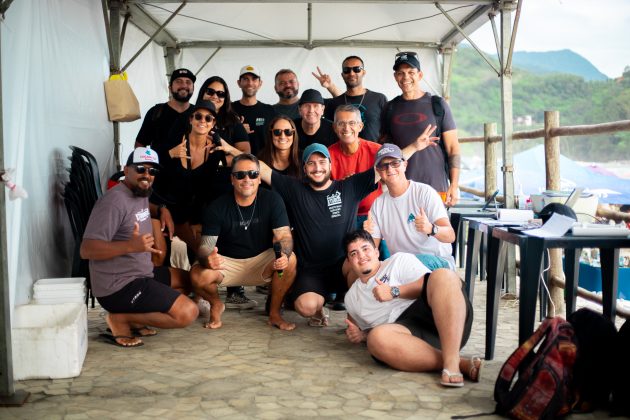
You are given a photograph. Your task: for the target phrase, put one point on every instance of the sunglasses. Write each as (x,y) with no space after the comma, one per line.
(356,69)
(220,93)
(198,116)
(287,132)
(142,169)
(406,53)
(394,164)
(242,174)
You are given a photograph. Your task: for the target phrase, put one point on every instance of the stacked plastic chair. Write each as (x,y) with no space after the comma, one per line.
(80,195)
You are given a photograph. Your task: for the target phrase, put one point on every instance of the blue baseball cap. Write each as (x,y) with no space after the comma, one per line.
(315,148)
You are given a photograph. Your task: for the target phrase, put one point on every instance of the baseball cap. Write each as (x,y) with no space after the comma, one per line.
(183,73)
(311,96)
(388,150)
(143,155)
(205,105)
(407,57)
(249,69)
(314,148)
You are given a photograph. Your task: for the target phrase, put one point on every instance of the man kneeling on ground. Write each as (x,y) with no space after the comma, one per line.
(118,241)
(413,319)
(244,225)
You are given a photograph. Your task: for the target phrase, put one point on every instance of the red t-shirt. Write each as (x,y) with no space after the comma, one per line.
(363,159)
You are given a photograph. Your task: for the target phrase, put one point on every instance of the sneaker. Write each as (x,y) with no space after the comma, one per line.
(239,301)
(204,308)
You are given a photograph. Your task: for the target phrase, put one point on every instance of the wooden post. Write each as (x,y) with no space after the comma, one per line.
(490,155)
(552,171)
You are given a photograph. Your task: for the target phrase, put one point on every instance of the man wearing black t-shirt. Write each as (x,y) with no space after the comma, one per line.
(159,119)
(311,128)
(254,114)
(240,232)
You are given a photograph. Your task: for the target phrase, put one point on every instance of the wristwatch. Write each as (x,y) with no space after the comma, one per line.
(395,292)
(434,230)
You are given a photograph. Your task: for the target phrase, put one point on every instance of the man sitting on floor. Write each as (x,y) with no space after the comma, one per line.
(244,225)
(118,241)
(413,319)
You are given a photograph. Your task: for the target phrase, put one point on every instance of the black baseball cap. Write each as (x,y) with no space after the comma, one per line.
(183,73)
(205,105)
(311,96)
(407,57)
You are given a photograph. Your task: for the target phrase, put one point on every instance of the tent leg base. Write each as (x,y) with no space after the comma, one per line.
(16,400)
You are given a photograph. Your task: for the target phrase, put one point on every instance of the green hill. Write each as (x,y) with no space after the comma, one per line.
(475,99)
(564,61)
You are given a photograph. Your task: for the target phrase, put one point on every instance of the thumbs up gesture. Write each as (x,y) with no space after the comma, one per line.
(353,332)
(382,291)
(215,260)
(423,225)
(368,224)
(141,243)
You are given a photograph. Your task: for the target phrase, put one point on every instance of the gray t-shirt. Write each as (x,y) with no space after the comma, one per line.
(113,219)
(292,111)
(402,126)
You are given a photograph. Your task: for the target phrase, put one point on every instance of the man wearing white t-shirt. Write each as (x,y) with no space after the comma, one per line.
(410,216)
(413,319)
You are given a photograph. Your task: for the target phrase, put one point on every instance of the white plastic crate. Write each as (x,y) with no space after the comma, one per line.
(49,341)
(59,290)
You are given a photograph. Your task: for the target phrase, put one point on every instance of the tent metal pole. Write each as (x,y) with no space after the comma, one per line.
(496,38)
(517,17)
(169,60)
(447,71)
(507,131)
(309,25)
(8,395)
(114,66)
(208,60)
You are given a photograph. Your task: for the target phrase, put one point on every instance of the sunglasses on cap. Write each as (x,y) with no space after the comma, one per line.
(287,132)
(384,166)
(242,174)
(405,53)
(198,116)
(212,92)
(356,69)
(142,169)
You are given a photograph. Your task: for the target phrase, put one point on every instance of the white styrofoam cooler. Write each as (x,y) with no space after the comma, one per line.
(49,341)
(59,290)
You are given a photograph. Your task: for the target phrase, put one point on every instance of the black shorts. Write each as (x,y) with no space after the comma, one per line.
(418,318)
(321,280)
(143,295)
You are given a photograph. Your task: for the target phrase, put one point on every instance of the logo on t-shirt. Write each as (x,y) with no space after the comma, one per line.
(334,204)
(260,121)
(143,215)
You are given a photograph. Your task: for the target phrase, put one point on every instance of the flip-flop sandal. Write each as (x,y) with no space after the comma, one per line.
(137,332)
(113,339)
(450,375)
(475,368)
(319,321)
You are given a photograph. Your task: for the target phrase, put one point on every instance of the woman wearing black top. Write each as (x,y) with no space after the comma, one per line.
(280,151)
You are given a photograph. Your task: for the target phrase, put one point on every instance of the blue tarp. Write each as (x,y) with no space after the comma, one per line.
(529,174)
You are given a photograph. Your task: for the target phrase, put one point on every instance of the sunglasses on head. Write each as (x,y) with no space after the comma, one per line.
(212,92)
(384,166)
(356,69)
(287,132)
(242,174)
(406,53)
(198,116)
(142,169)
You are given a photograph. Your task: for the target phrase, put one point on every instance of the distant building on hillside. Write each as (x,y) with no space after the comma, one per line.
(524,120)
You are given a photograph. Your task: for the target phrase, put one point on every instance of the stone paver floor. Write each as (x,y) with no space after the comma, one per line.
(250,370)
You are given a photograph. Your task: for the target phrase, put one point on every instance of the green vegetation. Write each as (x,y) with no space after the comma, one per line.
(475,99)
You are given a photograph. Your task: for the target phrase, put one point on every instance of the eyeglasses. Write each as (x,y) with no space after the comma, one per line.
(287,132)
(394,164)
(356,69)
(220,93)
(242,174)
(198,116)
(142,169)
(342,124)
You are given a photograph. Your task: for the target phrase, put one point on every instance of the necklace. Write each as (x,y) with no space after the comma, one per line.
(345,99)
(243,223)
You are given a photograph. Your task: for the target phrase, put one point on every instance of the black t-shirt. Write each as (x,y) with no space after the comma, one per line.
(238,237)
(156,125)
(320,219)
(258,117)
(371,105)
(325,135)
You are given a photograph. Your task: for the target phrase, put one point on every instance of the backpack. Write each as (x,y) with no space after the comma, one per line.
(544,365)
(438,111)
(595,366)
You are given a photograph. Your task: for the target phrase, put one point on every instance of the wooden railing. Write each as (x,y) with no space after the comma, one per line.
(551,133)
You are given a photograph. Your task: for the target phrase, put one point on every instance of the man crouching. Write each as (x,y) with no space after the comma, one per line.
(244,225)
(413,319)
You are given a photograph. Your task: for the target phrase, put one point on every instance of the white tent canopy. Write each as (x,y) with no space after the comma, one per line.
(56,56)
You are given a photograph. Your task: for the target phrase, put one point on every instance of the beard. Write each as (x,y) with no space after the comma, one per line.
(139,192)
(319,184)
(182,98)
(287,93)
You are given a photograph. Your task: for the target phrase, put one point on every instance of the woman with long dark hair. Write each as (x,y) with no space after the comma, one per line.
(280,151)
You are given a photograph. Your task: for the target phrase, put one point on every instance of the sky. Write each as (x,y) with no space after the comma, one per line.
(598,30)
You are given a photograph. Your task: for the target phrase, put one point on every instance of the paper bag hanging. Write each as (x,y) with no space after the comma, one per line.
(122,104)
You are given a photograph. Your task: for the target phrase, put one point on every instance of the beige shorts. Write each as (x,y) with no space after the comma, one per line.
(247,271)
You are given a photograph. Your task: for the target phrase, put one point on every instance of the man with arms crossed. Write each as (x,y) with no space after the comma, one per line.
(118,242)
(413,319)
(237,243)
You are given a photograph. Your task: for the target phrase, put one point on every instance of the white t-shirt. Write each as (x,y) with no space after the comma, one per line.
(362,306)
(394,221)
